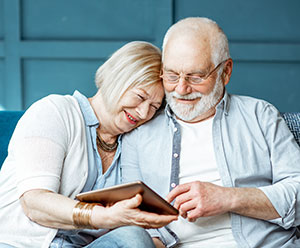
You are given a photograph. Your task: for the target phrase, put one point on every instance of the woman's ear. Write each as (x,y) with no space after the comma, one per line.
(227,71)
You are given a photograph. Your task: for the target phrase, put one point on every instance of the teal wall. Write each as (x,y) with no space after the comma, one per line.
(55,46)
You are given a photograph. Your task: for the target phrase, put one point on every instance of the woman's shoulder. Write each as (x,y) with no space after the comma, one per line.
(55,117)
(60,102)
(54,105)
(51,111)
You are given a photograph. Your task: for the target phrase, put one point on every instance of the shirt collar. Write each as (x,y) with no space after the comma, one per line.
(169,113)
(86,109)
(224,104)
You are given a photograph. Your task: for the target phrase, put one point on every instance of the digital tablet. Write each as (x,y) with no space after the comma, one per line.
(152,202)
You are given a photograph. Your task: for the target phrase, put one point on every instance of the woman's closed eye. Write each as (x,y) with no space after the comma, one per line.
(141,97)
(154,107)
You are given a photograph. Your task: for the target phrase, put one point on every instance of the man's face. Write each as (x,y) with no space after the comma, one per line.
(188,58)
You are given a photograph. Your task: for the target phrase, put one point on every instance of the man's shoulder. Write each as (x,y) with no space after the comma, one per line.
(248,102)
(252,108)
(248,99)
(153,128)
(158,120)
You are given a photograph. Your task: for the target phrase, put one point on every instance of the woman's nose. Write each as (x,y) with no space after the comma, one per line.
(143,110)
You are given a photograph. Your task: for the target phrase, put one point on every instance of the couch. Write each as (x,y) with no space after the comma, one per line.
(9,119)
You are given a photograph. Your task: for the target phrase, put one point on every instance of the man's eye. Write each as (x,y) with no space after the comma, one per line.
(172,77)
(196,79)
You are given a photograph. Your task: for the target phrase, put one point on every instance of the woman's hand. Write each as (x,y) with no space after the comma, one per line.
(54,210)
(126,213)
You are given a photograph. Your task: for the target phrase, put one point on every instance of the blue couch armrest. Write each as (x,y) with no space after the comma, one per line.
(8,122)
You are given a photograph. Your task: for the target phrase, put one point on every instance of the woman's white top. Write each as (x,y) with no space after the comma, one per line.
(47,151)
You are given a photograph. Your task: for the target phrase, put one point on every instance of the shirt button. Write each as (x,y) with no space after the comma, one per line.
(175,155)
(173,185)
(175,129)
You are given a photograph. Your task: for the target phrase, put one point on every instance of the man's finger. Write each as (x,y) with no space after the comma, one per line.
(187,207)
(177,191)
(181,199)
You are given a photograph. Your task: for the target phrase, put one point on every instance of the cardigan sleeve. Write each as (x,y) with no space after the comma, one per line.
(38,147)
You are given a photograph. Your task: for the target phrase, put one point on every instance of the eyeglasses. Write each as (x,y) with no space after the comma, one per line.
(173,78)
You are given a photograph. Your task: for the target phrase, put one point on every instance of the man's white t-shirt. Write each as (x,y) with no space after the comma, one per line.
(197,163)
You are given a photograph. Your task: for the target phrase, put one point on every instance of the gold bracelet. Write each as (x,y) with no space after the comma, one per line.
(81,215)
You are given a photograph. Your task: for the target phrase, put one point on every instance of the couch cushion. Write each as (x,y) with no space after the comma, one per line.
(293,122)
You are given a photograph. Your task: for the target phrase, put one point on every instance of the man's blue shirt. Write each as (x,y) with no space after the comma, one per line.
(253,148)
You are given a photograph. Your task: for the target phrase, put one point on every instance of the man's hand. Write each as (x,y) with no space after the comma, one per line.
(126,213)
(199,199)
(202,199)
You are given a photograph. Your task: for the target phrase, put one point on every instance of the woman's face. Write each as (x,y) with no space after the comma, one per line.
(137,106)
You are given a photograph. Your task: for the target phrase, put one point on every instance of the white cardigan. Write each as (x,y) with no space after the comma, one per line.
(48,150)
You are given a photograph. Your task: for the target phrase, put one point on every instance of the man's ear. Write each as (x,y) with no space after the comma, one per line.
(227,71)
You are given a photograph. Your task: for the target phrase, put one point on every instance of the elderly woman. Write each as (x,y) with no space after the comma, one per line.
(64,145)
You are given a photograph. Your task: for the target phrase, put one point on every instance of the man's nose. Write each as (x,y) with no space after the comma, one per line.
(183,87)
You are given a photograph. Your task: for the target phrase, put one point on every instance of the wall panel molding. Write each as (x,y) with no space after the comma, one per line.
(1,49)
(276,52)
(86,33)
(53,31)
(12,75)
(69,49)
(264,41)
(1,20)
(1,81)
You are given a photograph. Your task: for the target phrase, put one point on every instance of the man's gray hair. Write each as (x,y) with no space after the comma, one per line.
(199,26)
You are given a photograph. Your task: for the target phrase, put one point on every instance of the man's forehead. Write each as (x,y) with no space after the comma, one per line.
(184,53)
(188,43)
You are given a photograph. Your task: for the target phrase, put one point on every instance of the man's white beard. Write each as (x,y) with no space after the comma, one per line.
(188,112)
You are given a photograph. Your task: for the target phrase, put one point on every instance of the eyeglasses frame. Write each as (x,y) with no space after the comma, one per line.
(187,78)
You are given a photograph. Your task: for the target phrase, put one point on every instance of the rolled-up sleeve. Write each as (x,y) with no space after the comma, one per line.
(284,193)
(284,196)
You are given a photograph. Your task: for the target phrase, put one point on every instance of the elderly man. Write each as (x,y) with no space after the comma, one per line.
(229,163)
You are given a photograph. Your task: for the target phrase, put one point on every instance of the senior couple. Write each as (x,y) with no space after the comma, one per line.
(228,163)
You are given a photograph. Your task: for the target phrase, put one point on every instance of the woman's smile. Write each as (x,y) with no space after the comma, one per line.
(130,118)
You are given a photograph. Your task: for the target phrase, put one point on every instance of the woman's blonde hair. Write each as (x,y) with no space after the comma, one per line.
(135,64)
